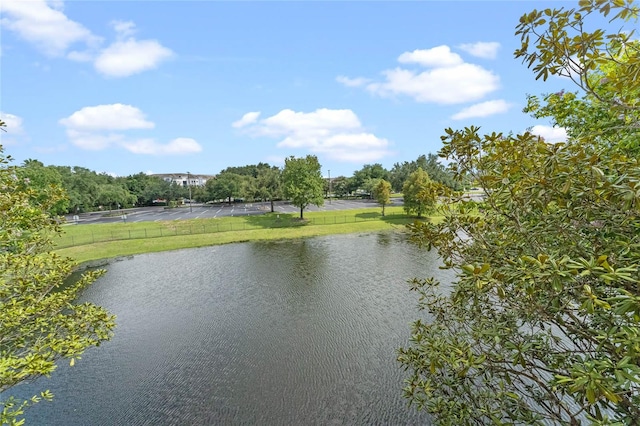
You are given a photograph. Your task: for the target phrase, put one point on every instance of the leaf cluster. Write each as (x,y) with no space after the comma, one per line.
(543,321)
(39,320)
(542,324)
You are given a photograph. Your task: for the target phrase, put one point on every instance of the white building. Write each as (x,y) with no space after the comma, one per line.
(185,179)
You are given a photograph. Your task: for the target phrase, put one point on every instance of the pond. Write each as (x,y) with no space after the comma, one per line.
(292,332)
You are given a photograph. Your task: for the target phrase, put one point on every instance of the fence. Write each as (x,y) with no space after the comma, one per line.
(71,239)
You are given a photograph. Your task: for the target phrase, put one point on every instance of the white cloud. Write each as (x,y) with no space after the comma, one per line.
(354,147)
(93,141)
(248,118)
(78,56)
(550,134)
(352,82)
(45,25)
(448,85)
(482,49)
(338,134)
(483,109)
(107,117)
(124,28)
(178,146)
(440,56)
(13,122)
(129,57)
(13,132)
(101,127)
(321,122)
(448,79)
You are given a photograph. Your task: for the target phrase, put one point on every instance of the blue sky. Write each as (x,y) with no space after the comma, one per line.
(123,87)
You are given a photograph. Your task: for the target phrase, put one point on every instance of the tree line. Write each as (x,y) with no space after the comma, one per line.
(87,190)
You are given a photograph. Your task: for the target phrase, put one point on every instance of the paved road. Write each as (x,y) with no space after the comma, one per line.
(151,214)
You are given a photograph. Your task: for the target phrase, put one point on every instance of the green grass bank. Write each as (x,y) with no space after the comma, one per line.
(86,243)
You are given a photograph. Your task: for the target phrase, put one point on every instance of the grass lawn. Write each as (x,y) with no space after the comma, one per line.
(85,243)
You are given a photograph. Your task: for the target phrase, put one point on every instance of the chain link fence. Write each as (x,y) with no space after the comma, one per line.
(186,228)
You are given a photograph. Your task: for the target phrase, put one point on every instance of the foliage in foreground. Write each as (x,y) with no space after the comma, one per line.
(544,319)
(542,324)
(39,323)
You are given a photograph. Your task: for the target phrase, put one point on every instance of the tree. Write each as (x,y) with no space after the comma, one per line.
(82,186)
(251,181)
(365,178)
(269,182)
(340,186)
(251,170)
(419,193)
(225,185)
(382,193)
(606,68)
(115,195)
(592,112)
(542,323)
(43,180)
(146,188)
(39,321)
(399,174)
(302,181)
(158,188)
(369,185)
(199,194)
(430,164)
(136,184)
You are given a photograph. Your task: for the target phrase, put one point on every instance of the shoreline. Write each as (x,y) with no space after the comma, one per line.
(101,254)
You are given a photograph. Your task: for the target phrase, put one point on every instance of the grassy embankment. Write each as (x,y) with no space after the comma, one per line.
(85,243)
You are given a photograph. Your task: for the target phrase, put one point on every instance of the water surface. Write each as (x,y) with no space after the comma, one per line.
(296,332)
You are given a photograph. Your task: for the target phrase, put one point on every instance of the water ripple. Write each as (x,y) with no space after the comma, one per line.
(300,332)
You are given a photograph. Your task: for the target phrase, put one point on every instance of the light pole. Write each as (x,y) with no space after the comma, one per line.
(329,186)
(189,185)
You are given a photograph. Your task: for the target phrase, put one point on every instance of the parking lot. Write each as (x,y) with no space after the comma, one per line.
(204,211)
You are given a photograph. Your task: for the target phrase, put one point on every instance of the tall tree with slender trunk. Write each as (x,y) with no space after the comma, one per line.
(302,181)
(269,183)
(382,193)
